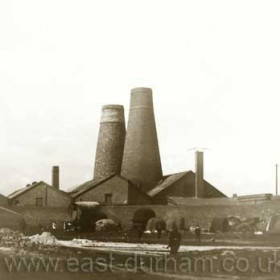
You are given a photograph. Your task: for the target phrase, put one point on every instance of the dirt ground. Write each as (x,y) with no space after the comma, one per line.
(126,257)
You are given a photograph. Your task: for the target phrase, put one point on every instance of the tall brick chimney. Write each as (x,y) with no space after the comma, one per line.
(109,152)
(55,177)
(199,180)
(141,158)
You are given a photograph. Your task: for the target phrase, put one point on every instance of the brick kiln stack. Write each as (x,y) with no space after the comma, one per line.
(141,159)
(111,139)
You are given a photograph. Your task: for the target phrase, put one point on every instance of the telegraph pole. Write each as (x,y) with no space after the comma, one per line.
(276,180)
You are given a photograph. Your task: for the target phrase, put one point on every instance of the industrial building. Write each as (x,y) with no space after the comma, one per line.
(41,194)
(128,167)
(111,190)
(127,178)
(128,181)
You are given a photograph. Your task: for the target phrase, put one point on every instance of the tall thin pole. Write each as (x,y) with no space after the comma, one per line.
(276,180)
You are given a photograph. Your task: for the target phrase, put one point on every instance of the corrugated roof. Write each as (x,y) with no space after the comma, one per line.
(166,182)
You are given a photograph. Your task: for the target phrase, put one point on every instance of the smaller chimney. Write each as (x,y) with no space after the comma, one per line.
(55,177)
(199,181)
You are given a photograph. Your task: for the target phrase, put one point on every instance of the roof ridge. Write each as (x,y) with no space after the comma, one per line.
(94,185)
(25,189)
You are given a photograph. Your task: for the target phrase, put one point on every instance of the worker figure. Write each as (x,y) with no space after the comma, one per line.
(159,230)
(174,240)
(197,232)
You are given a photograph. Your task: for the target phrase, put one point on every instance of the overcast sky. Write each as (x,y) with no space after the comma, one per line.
(214,68)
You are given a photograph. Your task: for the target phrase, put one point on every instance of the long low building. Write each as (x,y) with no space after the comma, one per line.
(117,190)
(40,194)
(111,190)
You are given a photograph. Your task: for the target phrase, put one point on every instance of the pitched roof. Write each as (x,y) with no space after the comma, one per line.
(31,187)
(23,190)
(89,185)
(210,189)
(166,182)
(171,179)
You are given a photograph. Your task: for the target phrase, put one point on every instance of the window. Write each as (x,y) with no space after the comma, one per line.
(39,201)
(108,198)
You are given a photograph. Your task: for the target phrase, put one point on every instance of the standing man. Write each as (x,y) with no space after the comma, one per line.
(159,228)
(174,240)
(197,232)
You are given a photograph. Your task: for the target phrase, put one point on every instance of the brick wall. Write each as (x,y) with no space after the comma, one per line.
(35,216)
(201,212)
(116,186)
(137,197)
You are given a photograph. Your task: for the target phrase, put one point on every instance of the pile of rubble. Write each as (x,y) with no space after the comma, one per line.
(10,238)
(46,238)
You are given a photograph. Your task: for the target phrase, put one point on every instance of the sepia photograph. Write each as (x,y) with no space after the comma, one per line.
(140,139)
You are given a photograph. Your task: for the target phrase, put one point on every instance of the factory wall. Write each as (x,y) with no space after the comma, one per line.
(37,216)
(50,196)
(56,199)
(116,186)
(198,210)
(122,191)
(137,197)
(201,211)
